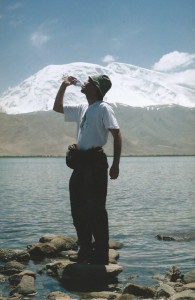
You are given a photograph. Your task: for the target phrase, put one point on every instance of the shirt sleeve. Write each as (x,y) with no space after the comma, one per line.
(109,118)
(71,113)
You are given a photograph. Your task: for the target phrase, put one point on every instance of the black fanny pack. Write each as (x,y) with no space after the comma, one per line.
(72,156)
(76,157)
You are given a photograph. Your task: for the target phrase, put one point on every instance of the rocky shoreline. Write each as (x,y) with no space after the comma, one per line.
(56,255)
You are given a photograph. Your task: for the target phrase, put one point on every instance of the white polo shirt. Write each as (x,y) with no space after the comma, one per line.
(93,123)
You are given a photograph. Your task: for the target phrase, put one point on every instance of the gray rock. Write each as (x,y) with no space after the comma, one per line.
(10,254)
(139,291)
(184,295)
(159,277)
(51,246)
(64,244)
(13,267)
(26,286)
(161,237)
(46,238)
(113,256)
(56,268)
(115,244)
(189,286)
(16,278)
(58,296)
(41,250)
(189,276)
(177,237)
(165,290)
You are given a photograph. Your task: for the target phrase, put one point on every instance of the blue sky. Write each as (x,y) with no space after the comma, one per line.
(153,34)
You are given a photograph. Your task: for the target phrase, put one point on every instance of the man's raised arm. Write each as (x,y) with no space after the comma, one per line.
(58,103)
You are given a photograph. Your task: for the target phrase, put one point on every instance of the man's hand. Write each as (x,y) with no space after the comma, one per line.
(68,80)
(114,171)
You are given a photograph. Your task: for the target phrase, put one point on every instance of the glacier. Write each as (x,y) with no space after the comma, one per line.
(131,85)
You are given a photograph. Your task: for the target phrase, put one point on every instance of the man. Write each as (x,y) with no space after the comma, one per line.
(88,182)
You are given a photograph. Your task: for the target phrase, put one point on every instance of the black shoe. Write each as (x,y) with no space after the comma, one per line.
(82,256)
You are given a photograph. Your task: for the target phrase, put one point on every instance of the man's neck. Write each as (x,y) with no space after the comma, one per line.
(92,100)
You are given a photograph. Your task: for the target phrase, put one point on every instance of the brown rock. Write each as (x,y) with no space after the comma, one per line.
(41,250)
(16,278)
(165,290)
(184,295)
(13,267)
(190,286)
(115,244)
(49,237)
(113,256)
(63,244)
(189,276)
(18,255)
(139,291)
(58,296)
(26,286)
(99,295)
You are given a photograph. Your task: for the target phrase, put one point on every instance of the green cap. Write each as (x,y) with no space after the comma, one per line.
(102,82)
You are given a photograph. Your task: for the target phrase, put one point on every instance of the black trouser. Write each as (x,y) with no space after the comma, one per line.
(88,191)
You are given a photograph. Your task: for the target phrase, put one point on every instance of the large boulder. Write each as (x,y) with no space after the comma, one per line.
(67,271)
(87,272)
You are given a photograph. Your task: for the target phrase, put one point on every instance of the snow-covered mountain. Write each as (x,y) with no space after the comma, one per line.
(132,86)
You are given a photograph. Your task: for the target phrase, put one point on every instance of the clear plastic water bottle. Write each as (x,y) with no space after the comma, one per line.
(77,82)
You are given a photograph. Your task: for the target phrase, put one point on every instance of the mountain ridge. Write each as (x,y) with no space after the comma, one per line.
(145,131)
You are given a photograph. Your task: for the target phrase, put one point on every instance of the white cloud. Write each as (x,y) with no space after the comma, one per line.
(174,60)
(38,39)
(108,58)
